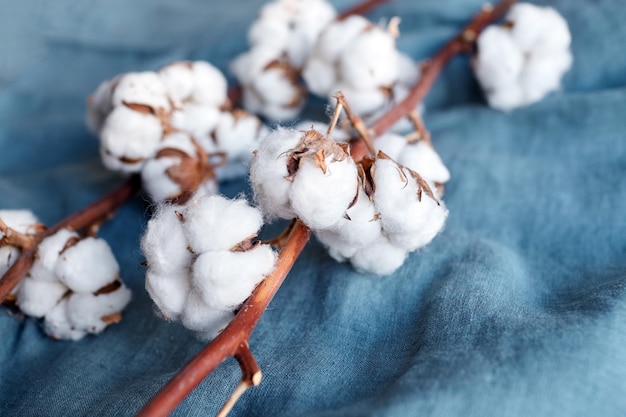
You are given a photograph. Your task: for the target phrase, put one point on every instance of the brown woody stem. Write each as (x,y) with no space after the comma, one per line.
(92,214)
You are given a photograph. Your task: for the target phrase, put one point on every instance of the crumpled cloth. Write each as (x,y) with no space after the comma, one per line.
(517,308)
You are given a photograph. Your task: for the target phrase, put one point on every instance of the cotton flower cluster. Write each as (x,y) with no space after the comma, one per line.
(202,262)
(523,60)
(361,60)
(73,284)
(372,213)
(280,39)
(135,113)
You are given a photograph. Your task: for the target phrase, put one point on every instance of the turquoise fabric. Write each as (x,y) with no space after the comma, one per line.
(517,308)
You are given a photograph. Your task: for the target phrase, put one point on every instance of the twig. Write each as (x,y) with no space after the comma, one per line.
(233,341)
(93,213)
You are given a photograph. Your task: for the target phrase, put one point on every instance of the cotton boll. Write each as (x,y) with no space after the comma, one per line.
(275,94)
(178,79)
(237,133)
(268,172)
(217,223)
(380,258)
(309,19)
(362,102)
(421,157)
(48,255)
(270,27)
(338,36)
(370,61)
(542,74)
(408,220)
(538,29)
(92,312)
(57,325)
(127,138)
(408,70)
(320,76)
(168,291)
(164,243)
(155,180)
(499,61)
(100,105)
(320,199)
(391,144)
(145,88)
(225,279)
(199,317)
(36,298)
(87,266)
(199,121)
(22,221)
(210,86)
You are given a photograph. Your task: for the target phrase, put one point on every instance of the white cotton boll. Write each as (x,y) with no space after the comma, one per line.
(210,86)
(268,172)
(169,291)
(536,28)
(310,18)
(270,28)
(237,134)
(408,221)
(22,221)
(408,70)
(321,199)
(337,37)
(87,266)
(8,256)
(36,298)
(100,105)
(280,95)
(320,76)
(57,325)
(499,61)
(217,223)
(225,279)
(179,81)
(380,258)
(370,61)
(155,180)
(164,243)
(48,255)
(421,157)
(507,98)
(390,143)
(542,74)
(198,121)
(145,88)
(88,312)
(199,317)
(127,138)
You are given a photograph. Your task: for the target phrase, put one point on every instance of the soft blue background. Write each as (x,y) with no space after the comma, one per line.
(518,308)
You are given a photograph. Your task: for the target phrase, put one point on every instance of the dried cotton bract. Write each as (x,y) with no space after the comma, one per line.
(202,261)
(520,62)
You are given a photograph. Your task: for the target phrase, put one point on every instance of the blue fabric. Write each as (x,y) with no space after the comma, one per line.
(518,308)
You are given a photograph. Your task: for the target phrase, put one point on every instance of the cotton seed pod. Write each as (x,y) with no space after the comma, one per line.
(205,320)
(410,214)
(100,104)
(164,243)
(421,157)
(226,278)
(57,325)
(177,170)
(324,181)
(268,172)
(94,312)
(36,298)
(127,138)
(48,254)
(199,121)
(169,291)
(380,258)
(87,266)
(217,223)
(141,88)
(22,221)
(500,61)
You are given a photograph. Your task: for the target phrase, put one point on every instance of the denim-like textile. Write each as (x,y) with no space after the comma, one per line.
(518,308)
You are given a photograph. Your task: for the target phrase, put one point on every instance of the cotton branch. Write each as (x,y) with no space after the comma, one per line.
(87,217)
(233,341)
